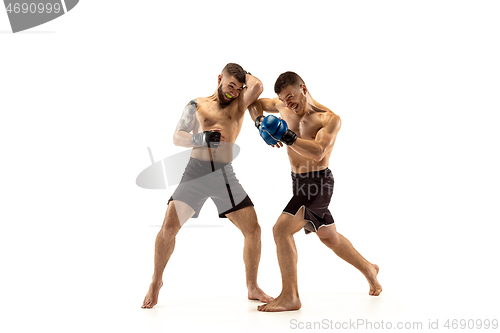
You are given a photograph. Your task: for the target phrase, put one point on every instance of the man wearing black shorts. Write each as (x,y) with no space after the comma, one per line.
(210,125)
(309,130)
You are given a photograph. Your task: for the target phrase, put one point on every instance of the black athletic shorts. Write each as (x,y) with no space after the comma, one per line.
(203,180)
(313,190)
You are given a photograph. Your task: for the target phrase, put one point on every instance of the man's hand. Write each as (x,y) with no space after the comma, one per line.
(267,137)
(258,121)
(207,138)
(277,129)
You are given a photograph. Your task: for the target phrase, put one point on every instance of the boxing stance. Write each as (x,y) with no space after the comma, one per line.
(210,125)
(309,130)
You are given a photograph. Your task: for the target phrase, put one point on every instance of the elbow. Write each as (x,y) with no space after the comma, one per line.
(256,86)
(259,87)
(176,138)
(319,155)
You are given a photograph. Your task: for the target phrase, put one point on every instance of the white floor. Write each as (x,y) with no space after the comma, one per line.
(100,287)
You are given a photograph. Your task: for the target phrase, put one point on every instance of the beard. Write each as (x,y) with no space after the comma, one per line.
(222,98)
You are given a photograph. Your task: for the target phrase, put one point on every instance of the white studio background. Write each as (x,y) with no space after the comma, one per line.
(415,163)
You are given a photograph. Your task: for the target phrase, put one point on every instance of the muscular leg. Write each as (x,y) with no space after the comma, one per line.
(246,220)
(177,214)
(283,230)
(344,249)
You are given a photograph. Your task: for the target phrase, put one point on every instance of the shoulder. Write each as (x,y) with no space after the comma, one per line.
(329,119)
(328,114)
(192,103)
(197,101)
(332,120)
(280,106)
(276,101)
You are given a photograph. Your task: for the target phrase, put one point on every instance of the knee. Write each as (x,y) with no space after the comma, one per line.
(281,230)
(171,224)
(169,229)
(253,231)
(328,238)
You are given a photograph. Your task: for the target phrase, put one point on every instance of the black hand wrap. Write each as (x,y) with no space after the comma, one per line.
(289,137)
(258,121)
(207,138)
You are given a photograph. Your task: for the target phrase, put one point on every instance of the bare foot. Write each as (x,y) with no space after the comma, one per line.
(256,293)
(152,297)
(288,303)
(375,287)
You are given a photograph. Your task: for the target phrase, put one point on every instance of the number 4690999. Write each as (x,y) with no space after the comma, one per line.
(471,324)
(33,8)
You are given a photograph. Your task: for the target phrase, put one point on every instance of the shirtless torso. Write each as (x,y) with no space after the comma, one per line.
(210,116)
(316,127)
(307,127)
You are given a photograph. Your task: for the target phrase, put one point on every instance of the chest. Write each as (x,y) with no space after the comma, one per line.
(211,113)
(306,127)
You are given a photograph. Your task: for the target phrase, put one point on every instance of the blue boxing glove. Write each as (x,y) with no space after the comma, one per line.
(267,137)
(277,130)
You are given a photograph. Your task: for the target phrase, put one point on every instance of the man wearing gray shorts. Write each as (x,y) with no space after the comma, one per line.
(210,125)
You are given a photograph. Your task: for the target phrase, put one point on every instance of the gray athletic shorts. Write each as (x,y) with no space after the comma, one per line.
(203,180)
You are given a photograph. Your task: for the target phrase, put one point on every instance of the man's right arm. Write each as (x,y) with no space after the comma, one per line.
(256,111)
(182,135)
(263,104)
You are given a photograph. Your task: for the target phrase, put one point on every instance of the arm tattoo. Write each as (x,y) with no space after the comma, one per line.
(188,119)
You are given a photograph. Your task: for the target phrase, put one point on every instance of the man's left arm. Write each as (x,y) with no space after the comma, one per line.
(251,92)
(325,139)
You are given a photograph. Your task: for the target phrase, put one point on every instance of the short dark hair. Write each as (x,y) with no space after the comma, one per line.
(236,71)
(286,79)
